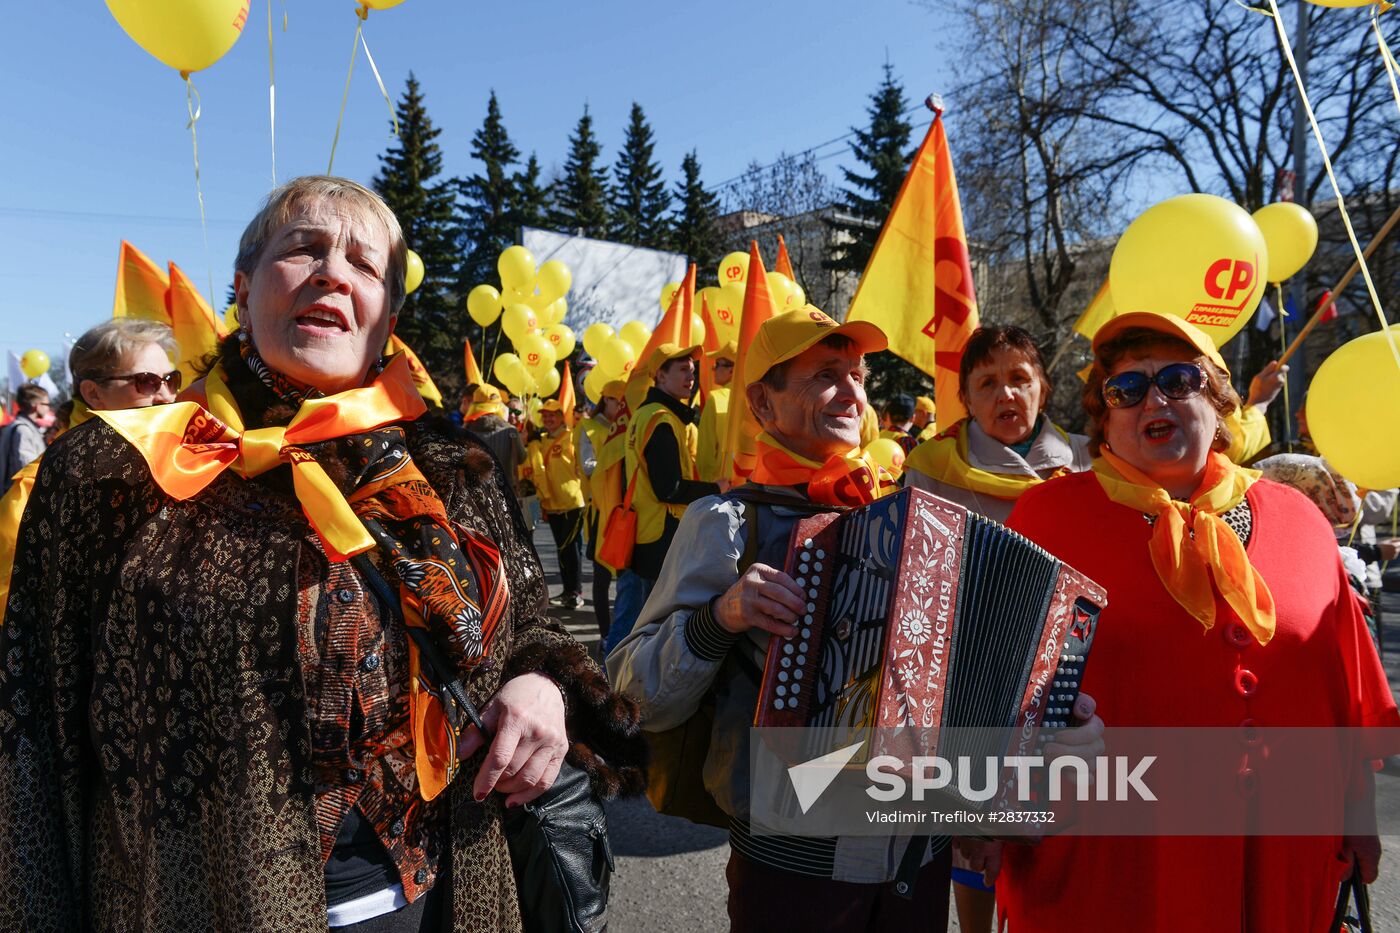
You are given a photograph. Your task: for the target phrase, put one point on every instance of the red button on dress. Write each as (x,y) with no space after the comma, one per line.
(1246,682)
(1237,635)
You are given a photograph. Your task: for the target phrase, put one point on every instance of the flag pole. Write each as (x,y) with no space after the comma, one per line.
(1371,247)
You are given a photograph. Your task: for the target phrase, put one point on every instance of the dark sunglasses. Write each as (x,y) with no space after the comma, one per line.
(148,383)
(1177,381)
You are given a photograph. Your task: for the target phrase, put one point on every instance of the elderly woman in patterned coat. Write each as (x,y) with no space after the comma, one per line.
(211,714)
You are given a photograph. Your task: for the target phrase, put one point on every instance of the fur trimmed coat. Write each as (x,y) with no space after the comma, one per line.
(155,759)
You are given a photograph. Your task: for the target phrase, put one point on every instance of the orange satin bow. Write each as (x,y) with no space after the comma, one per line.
(850,480)
(187,445)
(1191,546)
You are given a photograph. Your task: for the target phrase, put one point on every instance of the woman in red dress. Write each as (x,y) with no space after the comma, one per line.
(1227,607)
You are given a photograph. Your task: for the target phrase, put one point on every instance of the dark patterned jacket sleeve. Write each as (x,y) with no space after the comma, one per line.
(603,725)
(65,551)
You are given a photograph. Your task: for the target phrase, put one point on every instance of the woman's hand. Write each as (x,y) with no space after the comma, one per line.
(526,720)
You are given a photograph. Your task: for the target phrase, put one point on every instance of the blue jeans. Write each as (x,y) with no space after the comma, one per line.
(632,593)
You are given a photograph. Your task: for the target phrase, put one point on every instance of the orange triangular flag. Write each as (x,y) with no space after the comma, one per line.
(917,286)
(708,345)
(422,381)
(783,263)
(198,329)
(566,395)
(473,371)
(141,287)
(740,444)
(673,328)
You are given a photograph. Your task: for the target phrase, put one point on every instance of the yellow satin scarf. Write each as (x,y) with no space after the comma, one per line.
(187,445)
(1191,546)
(944,457)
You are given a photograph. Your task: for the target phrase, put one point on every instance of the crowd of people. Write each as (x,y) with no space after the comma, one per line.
(218,710)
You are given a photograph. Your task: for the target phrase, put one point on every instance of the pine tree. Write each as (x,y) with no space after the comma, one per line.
(485,226)
(639,196)
(529,207)
(694,231)
(433,321)
(581,196)
(884,148)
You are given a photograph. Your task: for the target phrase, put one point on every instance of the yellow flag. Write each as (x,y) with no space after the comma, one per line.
(473,371)
(421,380)
(198,329)
(1097,314)
(917,286)
(141,287)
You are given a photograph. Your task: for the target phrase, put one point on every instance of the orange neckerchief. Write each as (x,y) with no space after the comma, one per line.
(851,480)
(187,445)
(1191,546)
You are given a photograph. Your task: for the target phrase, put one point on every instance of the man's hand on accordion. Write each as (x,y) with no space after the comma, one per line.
(763,598)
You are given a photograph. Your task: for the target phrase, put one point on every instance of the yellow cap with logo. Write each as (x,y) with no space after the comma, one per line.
(787,335)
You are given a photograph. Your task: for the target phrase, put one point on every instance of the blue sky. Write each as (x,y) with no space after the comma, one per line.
(95,148)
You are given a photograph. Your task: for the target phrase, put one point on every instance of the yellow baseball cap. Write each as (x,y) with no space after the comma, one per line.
(730,351)
(792,333)
(616,389)
(485,394)
(924,403)
(552,405)
(664,354)
(1164,324)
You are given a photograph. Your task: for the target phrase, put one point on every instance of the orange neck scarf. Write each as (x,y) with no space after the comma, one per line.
(187,445)
(850,480)
(1191,546)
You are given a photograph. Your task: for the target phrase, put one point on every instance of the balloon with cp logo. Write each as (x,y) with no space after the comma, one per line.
(1196,256)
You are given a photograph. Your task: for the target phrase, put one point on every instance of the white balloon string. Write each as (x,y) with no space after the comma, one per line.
(387,99)
(272,91)
(1391,65)
(354,52)
(193,107)
(1331,177)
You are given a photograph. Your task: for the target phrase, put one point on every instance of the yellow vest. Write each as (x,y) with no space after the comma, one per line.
(597,433)
(651,511)
(558,487)
(607,480)
(1249,433)
(714,421)
(11,511)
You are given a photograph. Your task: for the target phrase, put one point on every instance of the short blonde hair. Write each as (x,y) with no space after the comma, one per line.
(284,202)
(102,350)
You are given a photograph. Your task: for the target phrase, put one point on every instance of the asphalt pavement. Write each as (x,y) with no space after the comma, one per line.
(670,872)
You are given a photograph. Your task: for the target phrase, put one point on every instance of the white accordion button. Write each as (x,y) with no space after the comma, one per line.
(807,543)
(820,553)
(782,676)
(782,691)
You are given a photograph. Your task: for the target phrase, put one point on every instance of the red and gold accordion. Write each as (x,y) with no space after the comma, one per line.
(922,614)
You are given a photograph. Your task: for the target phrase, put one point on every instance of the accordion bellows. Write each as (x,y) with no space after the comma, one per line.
(922,614)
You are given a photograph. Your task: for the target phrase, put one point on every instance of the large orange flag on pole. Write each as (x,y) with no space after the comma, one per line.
(917,286)
(674,327)
(198,329)
(141,287)
(741,440)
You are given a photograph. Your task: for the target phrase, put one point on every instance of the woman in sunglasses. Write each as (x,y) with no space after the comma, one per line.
(1228,608)
(124,363)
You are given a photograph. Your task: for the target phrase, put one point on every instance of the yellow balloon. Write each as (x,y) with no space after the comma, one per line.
(378,4)
(484,305)
(596,336)
(697,329)
(617,357)
(1196,256)
(554,312)
(517,268)
(593,384)
(728,311)
(517,321)
(786,293)
(887,453)
(1341,4)
(548,383)
(187,35)
(733,269)
(562,338)
(536,353)
(511,373)
(1354,410)
(636,333)
(34,363)
(532,411)
(668,293)
(554,279)
(1290,232)
(412,273)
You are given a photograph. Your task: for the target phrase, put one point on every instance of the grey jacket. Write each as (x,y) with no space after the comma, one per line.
(21,442)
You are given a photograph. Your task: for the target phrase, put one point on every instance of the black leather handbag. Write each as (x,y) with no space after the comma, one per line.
(558,842)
